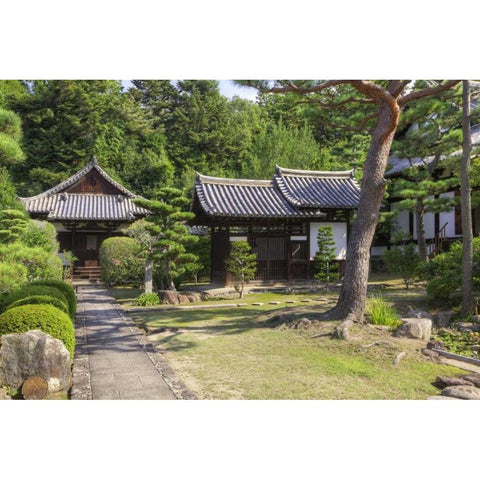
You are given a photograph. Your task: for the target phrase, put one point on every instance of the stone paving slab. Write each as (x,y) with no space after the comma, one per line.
(113,359)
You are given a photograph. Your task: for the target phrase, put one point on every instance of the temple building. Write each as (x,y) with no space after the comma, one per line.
(86,209)
(279,218)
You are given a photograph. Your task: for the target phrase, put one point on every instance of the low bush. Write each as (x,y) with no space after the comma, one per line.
(40,300)
(121,261)
(46,318)
(382,313)
(67,291)
(147,300)
(403,259)
(29,290)
(444,272)
(40,264)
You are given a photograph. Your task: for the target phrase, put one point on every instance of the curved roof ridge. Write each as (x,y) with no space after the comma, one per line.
(315,173)
(91,165)
(234,181)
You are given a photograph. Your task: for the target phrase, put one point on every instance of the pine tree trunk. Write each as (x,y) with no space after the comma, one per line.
(420,220)
(168,272)
(351,302)
(466,207)
(148,282)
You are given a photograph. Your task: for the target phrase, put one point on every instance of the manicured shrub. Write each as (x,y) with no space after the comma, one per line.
(41,265)
(444,272)
(12,276)
(64,288)
(147,299)
(382,313)
(121,261)
(29,290)
(41,300)
(46,318)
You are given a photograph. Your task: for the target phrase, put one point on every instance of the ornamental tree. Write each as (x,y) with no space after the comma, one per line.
(380,104)
(327,268)
(166,224)
(242,263)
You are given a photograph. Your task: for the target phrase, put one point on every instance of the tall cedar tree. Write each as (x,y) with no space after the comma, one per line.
(326,266)
(167,224)
(384,101)
(242,263)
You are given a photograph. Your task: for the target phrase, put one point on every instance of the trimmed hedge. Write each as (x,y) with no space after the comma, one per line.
(46,318)
(29,290)
(66,289)
(41,300)
(121,261)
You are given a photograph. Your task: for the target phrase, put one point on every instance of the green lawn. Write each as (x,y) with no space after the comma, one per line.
(236,353)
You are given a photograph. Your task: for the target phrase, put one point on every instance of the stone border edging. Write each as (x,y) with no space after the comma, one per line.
(81,386)
(177,307)
(454,356)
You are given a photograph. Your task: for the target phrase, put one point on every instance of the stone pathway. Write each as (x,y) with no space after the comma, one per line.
(113,359)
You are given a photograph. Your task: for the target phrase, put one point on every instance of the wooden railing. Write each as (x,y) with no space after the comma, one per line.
(438,242)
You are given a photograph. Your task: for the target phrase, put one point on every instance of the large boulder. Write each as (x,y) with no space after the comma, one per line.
(420,328)
(34,353)
(462,391)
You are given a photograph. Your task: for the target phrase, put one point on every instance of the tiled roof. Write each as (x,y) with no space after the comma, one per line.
(84,206)
(304,188)
(55,204)
(397,165)
(287,196)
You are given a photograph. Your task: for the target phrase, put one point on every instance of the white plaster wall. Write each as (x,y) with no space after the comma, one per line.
(238,239)
(339,236)
(448,217)
(378,251)
(402,219)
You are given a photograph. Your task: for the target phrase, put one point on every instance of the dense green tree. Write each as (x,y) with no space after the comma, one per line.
(326,267)
(167,224)
(67,122)
(291,147)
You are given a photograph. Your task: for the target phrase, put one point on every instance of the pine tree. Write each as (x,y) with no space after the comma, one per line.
(167,225)
(12,225)
(327,268)
(242,263)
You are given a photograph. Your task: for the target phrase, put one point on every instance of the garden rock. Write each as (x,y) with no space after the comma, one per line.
(194,297)
(183,298)
(418,314)
(476,319)
(420,328)
(4,394)
(438,344)
(473,377)
(168,297)
(467,327)
(443,382)
(462,391)
(34,353)
(443,318)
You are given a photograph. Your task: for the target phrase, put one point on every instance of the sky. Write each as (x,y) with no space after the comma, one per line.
(227,89)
